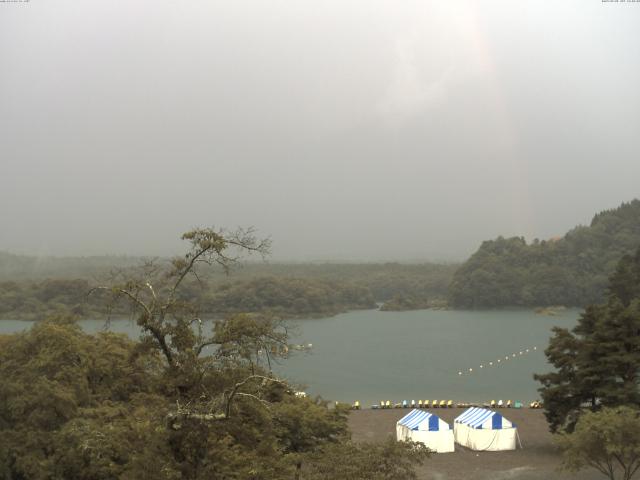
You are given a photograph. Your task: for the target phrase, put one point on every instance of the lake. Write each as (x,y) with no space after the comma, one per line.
(369,355)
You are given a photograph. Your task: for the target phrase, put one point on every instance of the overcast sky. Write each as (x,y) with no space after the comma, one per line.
(347,130)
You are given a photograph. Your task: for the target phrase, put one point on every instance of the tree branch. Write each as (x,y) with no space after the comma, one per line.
(238,385)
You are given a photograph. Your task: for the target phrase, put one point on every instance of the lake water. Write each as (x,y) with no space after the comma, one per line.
(370,355)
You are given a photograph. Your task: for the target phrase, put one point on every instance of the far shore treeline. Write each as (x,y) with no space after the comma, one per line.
(286,290)
(506,272)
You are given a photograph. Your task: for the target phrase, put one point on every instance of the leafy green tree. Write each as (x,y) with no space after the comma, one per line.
(304,425)
(64,397)
(288,297)
(598,362)
(388,460)
(608,440)
(154,295)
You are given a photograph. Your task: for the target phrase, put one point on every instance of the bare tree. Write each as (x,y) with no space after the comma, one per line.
(172,323)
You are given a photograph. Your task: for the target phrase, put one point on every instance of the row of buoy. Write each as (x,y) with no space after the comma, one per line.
(499,361)
(446,404)
(412,404)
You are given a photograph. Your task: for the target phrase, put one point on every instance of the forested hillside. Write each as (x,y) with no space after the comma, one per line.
(288,296)
(50,286)
(572,270)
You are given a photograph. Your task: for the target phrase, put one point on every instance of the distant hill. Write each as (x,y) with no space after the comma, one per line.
(570,271)
(32,288)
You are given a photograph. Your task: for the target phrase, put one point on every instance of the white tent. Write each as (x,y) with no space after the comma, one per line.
(425,427)
(482,429)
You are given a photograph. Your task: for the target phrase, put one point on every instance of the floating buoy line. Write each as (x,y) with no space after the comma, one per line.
(499,361)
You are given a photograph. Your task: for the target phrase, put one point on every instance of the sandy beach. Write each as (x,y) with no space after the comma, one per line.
(537,460)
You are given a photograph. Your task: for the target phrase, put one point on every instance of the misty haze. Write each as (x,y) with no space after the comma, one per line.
(363,130)
(319,240)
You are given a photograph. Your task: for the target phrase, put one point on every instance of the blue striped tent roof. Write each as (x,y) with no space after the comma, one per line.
(482,418)
(419,419)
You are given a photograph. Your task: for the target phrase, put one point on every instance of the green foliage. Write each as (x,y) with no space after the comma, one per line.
(288,297)
(184,402)
(242,337)
(568,271)
(426,283)
(74,405)
(608,440)
(402,302)
(302,425)
(389,460)
(30,300)
(285,290)
(598,362)
(63,397)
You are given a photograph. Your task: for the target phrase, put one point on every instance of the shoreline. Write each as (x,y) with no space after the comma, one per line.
(537,460)
(557,312)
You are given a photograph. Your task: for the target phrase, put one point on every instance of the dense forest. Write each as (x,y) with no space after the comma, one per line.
(31,300)
(285,297)
(288,296)
(54,286)
(571,270)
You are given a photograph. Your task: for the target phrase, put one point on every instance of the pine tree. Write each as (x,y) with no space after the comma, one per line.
(597,363)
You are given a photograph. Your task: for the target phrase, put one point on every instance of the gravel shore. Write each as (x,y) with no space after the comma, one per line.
(537,460)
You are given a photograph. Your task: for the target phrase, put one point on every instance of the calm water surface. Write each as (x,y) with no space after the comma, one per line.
(371,355)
